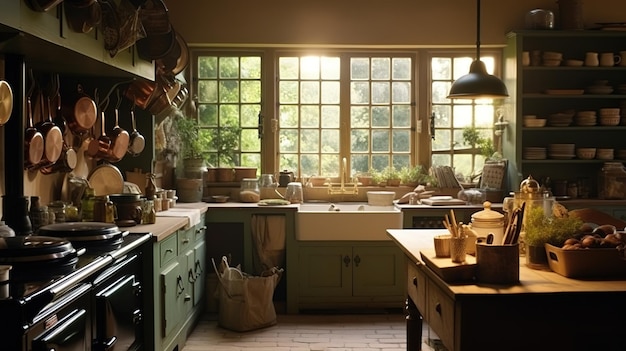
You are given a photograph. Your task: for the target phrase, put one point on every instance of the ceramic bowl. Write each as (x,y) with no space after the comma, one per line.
(586,153)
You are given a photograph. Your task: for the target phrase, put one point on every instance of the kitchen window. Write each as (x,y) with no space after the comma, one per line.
(352,106)
(452,117)
(331,105)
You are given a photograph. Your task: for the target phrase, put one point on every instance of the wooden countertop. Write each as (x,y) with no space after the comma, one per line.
(165,226)
(411,241)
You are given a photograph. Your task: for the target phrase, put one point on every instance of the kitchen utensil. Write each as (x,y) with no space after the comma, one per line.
(137,142)
(119,141)
(68,159)
(106,179)
(33,140)
(176,60)
(52,135)
(82,16)
(80,112)
(6,102)
(99,147)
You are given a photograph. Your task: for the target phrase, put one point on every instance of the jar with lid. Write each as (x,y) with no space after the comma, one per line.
(57,208)
(103,210)
(250,191)
(612,181)
(86,204)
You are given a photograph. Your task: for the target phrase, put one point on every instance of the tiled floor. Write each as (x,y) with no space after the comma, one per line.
(311,332)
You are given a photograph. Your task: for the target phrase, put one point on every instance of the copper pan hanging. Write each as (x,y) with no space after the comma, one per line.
(6,102)
(80,112)
(176,60)
(33,140)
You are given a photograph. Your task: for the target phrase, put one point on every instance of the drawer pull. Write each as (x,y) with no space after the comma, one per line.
(438,308)
(169,251)
(346,260)
(357,260)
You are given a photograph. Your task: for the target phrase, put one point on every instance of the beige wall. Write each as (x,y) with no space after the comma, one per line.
(363,22)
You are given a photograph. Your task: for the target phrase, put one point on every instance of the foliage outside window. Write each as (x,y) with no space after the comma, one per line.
(229,104)
(452,118)
(353,106)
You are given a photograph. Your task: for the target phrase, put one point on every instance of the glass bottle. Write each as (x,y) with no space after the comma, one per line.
(151,188)
(103,209)
(86,205)
(58,208)
(36,214)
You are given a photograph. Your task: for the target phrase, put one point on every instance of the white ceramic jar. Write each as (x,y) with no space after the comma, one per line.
(489,221)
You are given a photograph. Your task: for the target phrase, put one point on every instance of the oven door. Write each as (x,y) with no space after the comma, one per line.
(118,316)
(69,334)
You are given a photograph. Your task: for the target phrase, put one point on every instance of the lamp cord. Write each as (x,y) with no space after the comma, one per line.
(477,30)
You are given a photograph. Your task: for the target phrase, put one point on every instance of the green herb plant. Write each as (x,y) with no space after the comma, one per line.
(541,229)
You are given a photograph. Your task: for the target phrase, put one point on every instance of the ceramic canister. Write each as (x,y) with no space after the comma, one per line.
(489,221)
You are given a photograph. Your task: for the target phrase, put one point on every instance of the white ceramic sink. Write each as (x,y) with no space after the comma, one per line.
(346,221)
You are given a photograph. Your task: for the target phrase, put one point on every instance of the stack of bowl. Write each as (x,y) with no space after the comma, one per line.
(561,119)
(552,58)
(586,153)
(561,151)
(604,154)
(585,118)
(610,116)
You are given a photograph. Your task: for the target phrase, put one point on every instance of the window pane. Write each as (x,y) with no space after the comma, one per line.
(310,67)
(359,117)
(360,93)
(251,68)
(288,116)
(229,67)
(380,116)
(380,68)
(401,92)
(250,116)
(330,117)
(359,68)
(401,141)
(288,92)
(402,116)
(359,140)
(207,67)
(309,116)
(380,141)
(402,68)
(288,140)
(288,68)
(380,93)
(309,141)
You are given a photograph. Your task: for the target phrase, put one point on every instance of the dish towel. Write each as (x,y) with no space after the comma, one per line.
(268,237)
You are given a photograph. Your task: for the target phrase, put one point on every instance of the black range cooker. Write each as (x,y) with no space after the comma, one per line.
(71,295)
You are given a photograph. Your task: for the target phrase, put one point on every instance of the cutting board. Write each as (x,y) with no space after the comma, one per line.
(449,271)
(434,201)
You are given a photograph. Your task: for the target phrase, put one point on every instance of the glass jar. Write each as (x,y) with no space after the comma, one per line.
(58,209)
(612,181)
(250,191)
(103,210)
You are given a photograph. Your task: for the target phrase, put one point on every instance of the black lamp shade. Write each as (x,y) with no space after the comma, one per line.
(478,84)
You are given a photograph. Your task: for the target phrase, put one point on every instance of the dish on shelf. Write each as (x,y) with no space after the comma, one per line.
(586,153)
(535,122)
(565,91)
(573,63)
(599,90)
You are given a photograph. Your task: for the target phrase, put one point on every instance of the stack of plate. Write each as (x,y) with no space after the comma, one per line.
(609,116)
(560,119)
(552,58)
(585,118)
(604,154)
(561,151)
(534,153)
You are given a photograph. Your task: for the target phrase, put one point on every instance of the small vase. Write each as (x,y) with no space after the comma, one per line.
(536,257)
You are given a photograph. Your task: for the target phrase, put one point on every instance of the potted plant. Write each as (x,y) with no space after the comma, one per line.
(413,176)
(485,146)
(387,177)
(191,146)
(541,229)
(224,141)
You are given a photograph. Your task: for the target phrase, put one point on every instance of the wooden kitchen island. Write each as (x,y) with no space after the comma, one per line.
(545,311)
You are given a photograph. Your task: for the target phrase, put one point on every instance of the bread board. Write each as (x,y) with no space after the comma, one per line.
(442,201)
(447,270)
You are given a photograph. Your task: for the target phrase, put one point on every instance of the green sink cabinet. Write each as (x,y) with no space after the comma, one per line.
(350,274)
(180,269)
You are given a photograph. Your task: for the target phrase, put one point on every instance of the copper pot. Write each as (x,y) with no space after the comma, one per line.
(99,147)
(82,15)
(140,92)
(80,112)
(33,140)
(119,141)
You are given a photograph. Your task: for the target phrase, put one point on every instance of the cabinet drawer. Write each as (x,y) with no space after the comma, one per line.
(416,288)
(185,239)
(168,250)
(440,315)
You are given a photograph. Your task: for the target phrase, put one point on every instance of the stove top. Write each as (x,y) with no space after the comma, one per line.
(41,288)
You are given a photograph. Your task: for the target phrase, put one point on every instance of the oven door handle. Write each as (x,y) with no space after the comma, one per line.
(107,345)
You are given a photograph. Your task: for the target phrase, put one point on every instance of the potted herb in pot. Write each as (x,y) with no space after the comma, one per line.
(414,176)
(541,229)
(223,145)
(191,148)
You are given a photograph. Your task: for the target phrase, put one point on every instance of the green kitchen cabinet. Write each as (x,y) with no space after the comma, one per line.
(180,269)
(338,274)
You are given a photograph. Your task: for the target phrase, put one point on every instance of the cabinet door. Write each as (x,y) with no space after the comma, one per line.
(188,279)
(172,288)
(200,271)
(325,271)
(378,271)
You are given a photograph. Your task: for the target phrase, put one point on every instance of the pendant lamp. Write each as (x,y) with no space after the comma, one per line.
(478,84)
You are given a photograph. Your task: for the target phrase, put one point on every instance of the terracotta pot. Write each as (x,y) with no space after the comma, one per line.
(224,174)
(536,257)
